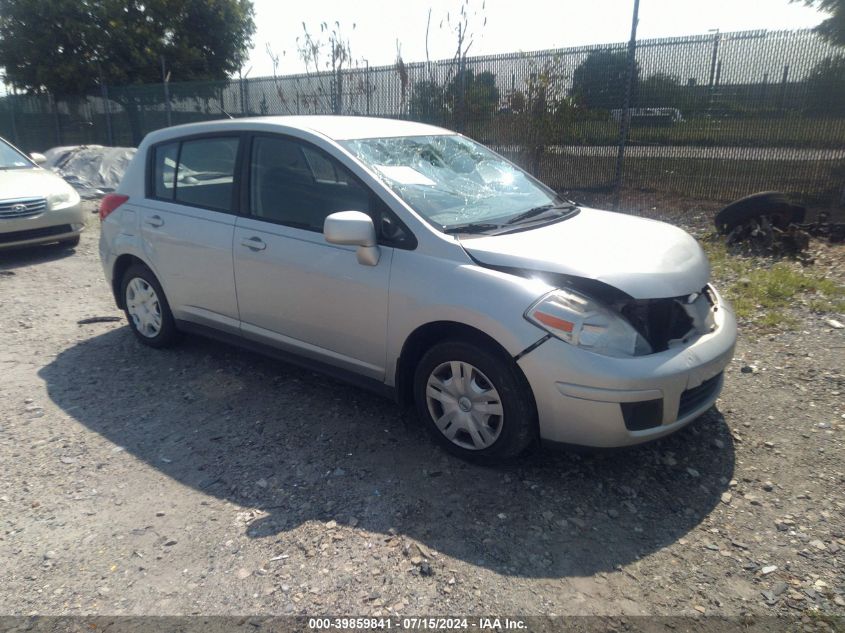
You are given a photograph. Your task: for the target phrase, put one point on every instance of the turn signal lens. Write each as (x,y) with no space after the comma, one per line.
(553,321)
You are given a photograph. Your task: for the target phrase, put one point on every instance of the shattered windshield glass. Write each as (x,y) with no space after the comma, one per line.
(451,180)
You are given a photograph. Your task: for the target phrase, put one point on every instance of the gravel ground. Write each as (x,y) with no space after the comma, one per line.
(209,480)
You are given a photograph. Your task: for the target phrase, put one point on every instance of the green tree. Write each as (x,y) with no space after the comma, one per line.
(660,91)
(471,97)
(599,81)
(825,87)
(68,47)
(427,103)
(833,28)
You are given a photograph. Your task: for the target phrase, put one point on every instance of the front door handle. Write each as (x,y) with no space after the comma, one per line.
(154,220)
(255,243)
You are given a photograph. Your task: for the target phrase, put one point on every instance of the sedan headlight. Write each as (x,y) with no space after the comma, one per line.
(62,199)
(579,320)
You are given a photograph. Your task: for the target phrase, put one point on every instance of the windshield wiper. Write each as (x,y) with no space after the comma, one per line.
(471,227)
(525,215)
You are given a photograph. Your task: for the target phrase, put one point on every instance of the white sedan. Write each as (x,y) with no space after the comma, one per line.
(36,205)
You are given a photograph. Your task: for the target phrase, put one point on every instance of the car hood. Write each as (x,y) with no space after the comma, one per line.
(644,258)
(29,183)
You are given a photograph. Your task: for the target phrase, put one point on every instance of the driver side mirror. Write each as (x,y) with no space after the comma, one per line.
(38,159)
(353,228)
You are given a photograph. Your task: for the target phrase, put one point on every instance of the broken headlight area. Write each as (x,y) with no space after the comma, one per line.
(632,327)
(665,323)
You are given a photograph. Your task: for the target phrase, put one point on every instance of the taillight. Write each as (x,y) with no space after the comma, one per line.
(110,202)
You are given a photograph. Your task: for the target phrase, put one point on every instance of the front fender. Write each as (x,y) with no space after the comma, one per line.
(488,300)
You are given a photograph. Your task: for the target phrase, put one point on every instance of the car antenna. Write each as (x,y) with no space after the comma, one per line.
(224,112)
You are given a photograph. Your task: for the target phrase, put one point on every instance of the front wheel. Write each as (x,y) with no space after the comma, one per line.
(475,402)
(147,309)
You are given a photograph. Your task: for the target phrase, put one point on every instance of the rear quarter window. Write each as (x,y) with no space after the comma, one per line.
(198,172)
(205,174)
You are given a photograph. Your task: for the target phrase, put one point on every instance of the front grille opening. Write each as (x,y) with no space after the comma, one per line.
(691,399)
(642,415)
(658,320)
(22,208)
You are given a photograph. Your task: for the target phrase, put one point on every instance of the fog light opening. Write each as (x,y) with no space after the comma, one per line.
(642,415)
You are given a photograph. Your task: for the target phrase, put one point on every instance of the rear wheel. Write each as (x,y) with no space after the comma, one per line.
(147,309)
(474,402)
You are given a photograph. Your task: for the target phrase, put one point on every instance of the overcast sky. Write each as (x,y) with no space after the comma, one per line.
(512,25)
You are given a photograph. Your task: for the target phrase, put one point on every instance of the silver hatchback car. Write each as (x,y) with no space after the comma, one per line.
(413,260)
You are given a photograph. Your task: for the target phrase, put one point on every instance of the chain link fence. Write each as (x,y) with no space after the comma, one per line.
(713,116)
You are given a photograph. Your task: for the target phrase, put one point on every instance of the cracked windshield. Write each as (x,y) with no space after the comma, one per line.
(451,180)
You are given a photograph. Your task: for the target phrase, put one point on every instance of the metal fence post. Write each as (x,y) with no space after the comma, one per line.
(367,88)
(165,78)
(11,99)
(783,84)
(713,58)
(247,100)
(58,125)
(241,92)
(626,112)
(462,90)
(104,91)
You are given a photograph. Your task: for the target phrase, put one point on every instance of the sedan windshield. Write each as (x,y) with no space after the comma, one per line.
(453,181)
(10,158)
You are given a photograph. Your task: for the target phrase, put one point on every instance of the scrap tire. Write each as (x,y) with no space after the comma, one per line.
(774,204)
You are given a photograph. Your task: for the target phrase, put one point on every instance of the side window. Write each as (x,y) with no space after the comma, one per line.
(391,231)
(296,184)
(325,170)
(164,170)
(205,173)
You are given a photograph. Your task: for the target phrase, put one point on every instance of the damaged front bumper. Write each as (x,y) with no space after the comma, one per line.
(588,399)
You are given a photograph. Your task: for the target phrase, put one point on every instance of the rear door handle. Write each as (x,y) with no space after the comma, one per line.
(154,220)
(255,243)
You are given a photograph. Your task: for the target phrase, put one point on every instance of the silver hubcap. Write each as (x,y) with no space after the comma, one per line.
(464,405)
(143,307)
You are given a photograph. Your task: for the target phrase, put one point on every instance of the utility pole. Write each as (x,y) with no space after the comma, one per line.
(625,123)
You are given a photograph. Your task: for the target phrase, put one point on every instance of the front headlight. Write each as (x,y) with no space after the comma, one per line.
(62,199)
(581,321)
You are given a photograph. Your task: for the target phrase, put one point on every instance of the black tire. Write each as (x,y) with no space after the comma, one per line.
(770,203)
(518,423)
(167,334)
(71,242)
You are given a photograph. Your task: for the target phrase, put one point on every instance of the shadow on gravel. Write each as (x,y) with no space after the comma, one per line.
(33,255)
(300,446)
